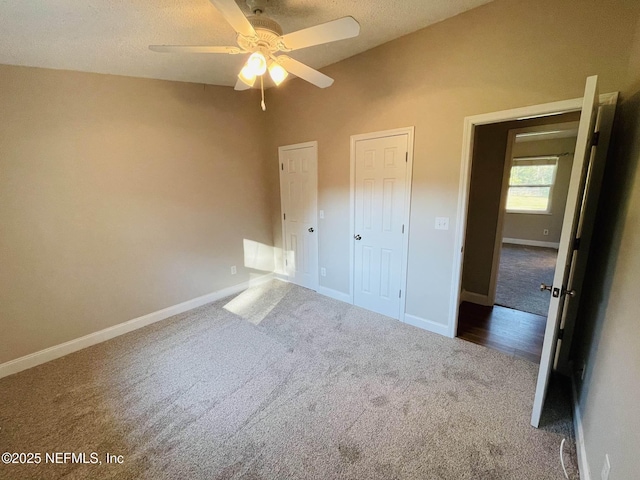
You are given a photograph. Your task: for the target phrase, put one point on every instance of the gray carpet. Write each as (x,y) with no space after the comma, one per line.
(282,383)
(522,270)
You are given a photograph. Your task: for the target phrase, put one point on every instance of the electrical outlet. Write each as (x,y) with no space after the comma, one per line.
(323,272)
(234,270)
(321,214)
(606,468)
(545,231)
(442,223)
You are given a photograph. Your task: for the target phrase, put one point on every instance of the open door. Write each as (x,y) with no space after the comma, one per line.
(562,288)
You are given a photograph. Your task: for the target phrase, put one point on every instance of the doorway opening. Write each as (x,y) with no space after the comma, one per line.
(594,131)
(520,174)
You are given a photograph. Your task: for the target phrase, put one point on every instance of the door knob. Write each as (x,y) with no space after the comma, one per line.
(357,237)
(311,229)
(544,287)
(571,293)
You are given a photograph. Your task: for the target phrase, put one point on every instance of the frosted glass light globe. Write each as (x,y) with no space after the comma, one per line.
(278,74)
(257,63)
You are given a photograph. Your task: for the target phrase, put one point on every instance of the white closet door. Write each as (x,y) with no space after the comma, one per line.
(299,198)
(380,184)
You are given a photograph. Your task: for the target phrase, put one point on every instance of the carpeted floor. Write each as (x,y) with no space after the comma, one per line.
(522,270)
(283,383)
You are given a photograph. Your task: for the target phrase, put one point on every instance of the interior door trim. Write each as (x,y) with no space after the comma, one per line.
(470,123)
(410,132)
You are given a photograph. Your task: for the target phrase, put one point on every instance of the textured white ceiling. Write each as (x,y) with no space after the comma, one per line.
(112,36)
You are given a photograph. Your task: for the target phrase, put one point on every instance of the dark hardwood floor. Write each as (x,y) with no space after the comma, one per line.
(511,331)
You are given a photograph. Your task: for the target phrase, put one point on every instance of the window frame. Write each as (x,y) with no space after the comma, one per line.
(534,161)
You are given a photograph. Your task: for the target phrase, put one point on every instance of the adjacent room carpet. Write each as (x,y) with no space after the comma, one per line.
(282,383)
(522,270)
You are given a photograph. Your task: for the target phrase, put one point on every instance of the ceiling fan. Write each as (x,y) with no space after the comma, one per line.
(262,38)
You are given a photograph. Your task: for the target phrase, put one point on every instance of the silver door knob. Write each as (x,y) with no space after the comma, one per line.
(544,287)
(310,229)
(357,237)
(571,293)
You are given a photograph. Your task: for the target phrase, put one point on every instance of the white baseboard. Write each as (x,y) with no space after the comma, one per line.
(425,324)
(531,243)
(583,465)
(409,319)
(57,351)
(476,298)
(329,292)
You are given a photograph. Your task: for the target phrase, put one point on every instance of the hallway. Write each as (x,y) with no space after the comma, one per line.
(510,331)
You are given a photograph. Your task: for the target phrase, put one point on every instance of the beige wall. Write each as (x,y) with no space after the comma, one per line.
(527,226)
(501,55)
(487,170)
(608,328)
(485,188)
(120,197)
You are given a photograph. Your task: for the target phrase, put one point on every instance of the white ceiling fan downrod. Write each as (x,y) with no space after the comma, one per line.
(257,6)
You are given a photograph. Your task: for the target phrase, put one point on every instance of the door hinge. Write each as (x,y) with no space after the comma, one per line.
(282,167)
(402,228)
(284,215)
(286,262)
(561,334)
(595,139)
(400,294)
(406,156)
(576,244)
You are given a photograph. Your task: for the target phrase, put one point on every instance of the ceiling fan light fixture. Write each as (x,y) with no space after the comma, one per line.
(247,76)
(257,63)
(277,73)
(262,38)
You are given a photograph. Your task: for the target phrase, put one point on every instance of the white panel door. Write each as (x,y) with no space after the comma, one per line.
(563,279)
(299,198)
(380,187)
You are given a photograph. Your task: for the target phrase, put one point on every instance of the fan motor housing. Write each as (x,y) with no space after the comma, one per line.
(269,31)
(260,22)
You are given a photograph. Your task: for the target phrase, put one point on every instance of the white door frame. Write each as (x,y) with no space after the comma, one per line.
(281,149)
(409,131)
(523,113)
(508,161)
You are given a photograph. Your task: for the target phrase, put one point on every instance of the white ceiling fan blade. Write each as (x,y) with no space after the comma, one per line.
(345,27)
(240,85)
(194,49)
(232,14)
(305,72)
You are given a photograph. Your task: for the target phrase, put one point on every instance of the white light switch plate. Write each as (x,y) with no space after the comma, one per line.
(323,272)
(321,214)
(442,223)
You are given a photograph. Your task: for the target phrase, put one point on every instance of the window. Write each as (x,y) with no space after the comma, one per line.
(531,184)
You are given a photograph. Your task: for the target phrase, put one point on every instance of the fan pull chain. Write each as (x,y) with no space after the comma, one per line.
(262,104)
